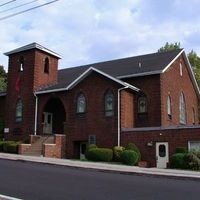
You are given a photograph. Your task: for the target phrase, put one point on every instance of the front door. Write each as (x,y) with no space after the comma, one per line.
(83,146)
(162,154)
(47,123)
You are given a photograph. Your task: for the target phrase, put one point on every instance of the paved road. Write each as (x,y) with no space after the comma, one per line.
(33,181)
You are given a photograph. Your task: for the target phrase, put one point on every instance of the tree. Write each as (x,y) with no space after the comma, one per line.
(195,63)
(170,47)
(3,79)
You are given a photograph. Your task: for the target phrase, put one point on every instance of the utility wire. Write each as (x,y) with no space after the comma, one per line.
(18,13)
(21,5)
(7,3)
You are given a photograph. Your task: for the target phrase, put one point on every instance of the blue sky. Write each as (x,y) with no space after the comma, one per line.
(88,31)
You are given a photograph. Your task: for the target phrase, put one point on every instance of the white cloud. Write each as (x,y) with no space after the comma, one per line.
(92,30)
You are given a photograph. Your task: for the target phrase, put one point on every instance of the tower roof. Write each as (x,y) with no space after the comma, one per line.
(33,45)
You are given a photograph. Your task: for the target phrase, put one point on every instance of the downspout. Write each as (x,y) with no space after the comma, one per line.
(36,112)
(119,115)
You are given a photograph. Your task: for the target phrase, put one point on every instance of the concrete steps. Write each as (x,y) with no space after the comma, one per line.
(36,148)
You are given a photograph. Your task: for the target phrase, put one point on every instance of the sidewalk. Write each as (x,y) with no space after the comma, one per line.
(106,167)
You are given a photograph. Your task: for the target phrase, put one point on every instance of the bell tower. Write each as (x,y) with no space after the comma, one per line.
(30,68)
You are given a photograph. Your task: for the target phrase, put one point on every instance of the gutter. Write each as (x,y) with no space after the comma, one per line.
(36,112)
(119,114)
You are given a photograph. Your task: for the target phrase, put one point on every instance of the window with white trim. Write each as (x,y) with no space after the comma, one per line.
(142,104)
(194,145)
(21,61)
(182,109)
(81,104)
(109,103)
(181,69)
(169,107)
(19,110)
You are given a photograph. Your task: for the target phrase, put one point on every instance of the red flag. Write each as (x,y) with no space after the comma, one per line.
(17,84)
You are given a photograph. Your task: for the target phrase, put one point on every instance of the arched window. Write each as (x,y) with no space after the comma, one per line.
(19,109)
(109,103)
(81,104)
(21,61)
(46,65)
(193,116)
(182,109)
(142,104)
(169,107)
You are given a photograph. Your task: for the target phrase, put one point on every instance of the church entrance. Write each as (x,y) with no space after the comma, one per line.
(53,117)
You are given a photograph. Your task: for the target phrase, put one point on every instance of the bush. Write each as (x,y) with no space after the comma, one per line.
(12,148)
(181,150)
(133,147)
(100,154)
(1,146)
(129,157)
(117,151)
(194,160)
(90,146)
(180,161)
(6,145)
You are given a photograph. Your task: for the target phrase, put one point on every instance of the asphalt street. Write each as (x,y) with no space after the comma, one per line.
(34,181)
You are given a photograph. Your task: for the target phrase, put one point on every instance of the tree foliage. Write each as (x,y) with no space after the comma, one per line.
(170,47)
(3,79)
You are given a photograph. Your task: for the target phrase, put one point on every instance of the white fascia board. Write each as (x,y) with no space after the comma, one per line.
(172,61)
(49,91)
(82,76)
(192,75)
(140,74)
(85,74)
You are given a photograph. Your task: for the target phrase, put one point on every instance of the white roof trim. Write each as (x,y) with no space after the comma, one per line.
(88,71)
(33,46)
(140,74)
(172,61)
(192,75)
(85,74)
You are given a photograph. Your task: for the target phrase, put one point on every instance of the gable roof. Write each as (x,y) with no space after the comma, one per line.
(33,45)
(84,75)
(141,65)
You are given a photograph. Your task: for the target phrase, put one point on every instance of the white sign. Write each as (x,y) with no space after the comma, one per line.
(6,130)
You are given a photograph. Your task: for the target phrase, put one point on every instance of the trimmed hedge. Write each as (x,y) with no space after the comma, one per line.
(90,146)
(180,161)
(181,150)
(9,147)
(129,157)
(133,147)
(117,151)
(100,154)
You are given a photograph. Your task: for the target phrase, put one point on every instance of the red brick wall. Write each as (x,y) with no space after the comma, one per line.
(172,83)
(175,137)
(2,106)
(150,86)
(127,109)
(30,78)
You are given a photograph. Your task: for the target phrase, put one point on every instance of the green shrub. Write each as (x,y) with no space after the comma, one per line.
(1,146)
(90,146)
(6,144)
(100,154)
(12,148)
(180,161)
(117,151)
(133,147)
(181,150)
(129,157)
(194,160)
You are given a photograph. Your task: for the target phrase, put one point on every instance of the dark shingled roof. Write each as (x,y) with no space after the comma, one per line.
(136,66)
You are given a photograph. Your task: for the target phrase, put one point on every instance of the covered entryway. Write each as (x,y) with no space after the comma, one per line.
(162,154)
(53,117)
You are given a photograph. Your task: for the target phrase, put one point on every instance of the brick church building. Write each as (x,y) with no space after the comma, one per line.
(150,100)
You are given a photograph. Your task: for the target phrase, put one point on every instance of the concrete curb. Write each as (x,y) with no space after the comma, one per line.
(104,167)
